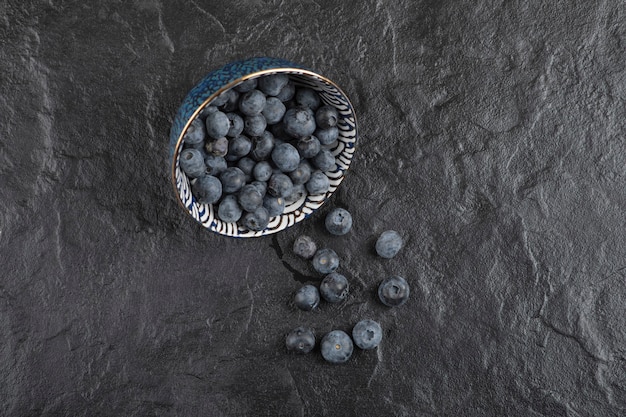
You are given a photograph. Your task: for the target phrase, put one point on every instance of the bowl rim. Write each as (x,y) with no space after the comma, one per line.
(228,86)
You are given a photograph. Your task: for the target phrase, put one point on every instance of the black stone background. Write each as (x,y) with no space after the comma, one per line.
(491,137)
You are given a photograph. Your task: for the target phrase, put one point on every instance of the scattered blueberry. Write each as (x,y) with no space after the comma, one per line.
(307,97)
(287,92)
(229,210)
(252,103)
(262,146)
(215,165)
(304,247)
(217,125)
(207,189)
(232,180)
(301,174)
(238,147)
(338,222)
(393,291)
(286,157)
(272,84)
(318,183)
(307,297)
(324,160)
(308,146)
(325,261)
(247,85)
(192,162)
(327,136)
(236,125)
(262,171)
(337,347)
(279,185)
(367,334)
(274,110)
(388,244)
(254,125)
(300,340)
(196,133)
(334,287)
(299,122)
(326,116)
(257,220)
(217,147)
(250,198)
(275,206)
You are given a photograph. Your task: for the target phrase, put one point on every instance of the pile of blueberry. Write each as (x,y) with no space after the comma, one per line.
(337,346)
(259,146)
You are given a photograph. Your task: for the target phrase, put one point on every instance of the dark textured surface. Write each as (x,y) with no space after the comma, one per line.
(491,137)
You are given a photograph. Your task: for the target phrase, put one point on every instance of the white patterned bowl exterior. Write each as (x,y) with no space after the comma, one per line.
(227,77)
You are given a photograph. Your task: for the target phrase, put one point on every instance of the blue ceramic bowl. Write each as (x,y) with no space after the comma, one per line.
(228,77)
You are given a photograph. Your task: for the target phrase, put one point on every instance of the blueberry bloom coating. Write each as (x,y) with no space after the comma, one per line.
(272,84)
(307,97)
(249,84)
(239,146)
(308,146)
(207,189)
(338,222)
(192,163)
(324,160)
(235,126)
(254,125)
(275,206)
(246,165)
(326,116)
(388,244)
(262,146)
(298,193)
(229,210)
(274,110)
(367,334)
(217,147)
(232,100)
(307,297)
(327,136)
(300,340)
(299,122)
(232,180)
(257,220)
(301,174)
(287,92)
(393,291)
(325,261)
(304,246)
(334,287)
(252,103)
(286,157)
(215,165)
(219,100)
(318,183)
(262,171)
(261,186)
(250,198)
(337,347)
(196,133)
(217,125)
(279,185)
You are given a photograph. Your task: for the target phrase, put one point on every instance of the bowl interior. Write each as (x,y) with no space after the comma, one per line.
(296,211)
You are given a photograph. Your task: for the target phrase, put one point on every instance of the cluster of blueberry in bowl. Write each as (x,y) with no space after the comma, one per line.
(337,346)
(259,147)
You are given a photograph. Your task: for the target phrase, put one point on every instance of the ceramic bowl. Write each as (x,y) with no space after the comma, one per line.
(229,76)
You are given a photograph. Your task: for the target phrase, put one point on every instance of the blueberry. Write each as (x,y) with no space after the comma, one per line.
(236,125)
(207,110)
(262,146)
(217,125)
(252,103)
(300,340)
(287,92)
(232,180)
(326,116)
(257,220)
(196,133)
(246,165)
(307,297)
(278,130)
(304,246)
(308,146)
(232,101)
(338,222)
(327,136)
(279,185)
(286,157)
(393,291)
(217,147)
(220,100)
(334,287)
(336,347)
(207,189)
(254,125)
(261,186)
(238,147)
(215,165)
(262,171)
(274,110)
(250,198)
(192,162)
(367,334)
(301,174)
(324,160)
(388,244)
(318,184)
(229,210)
(299,122)
(247,85)
(275,206)
(307,97)
(325,261)
(272,84)
(298,193)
